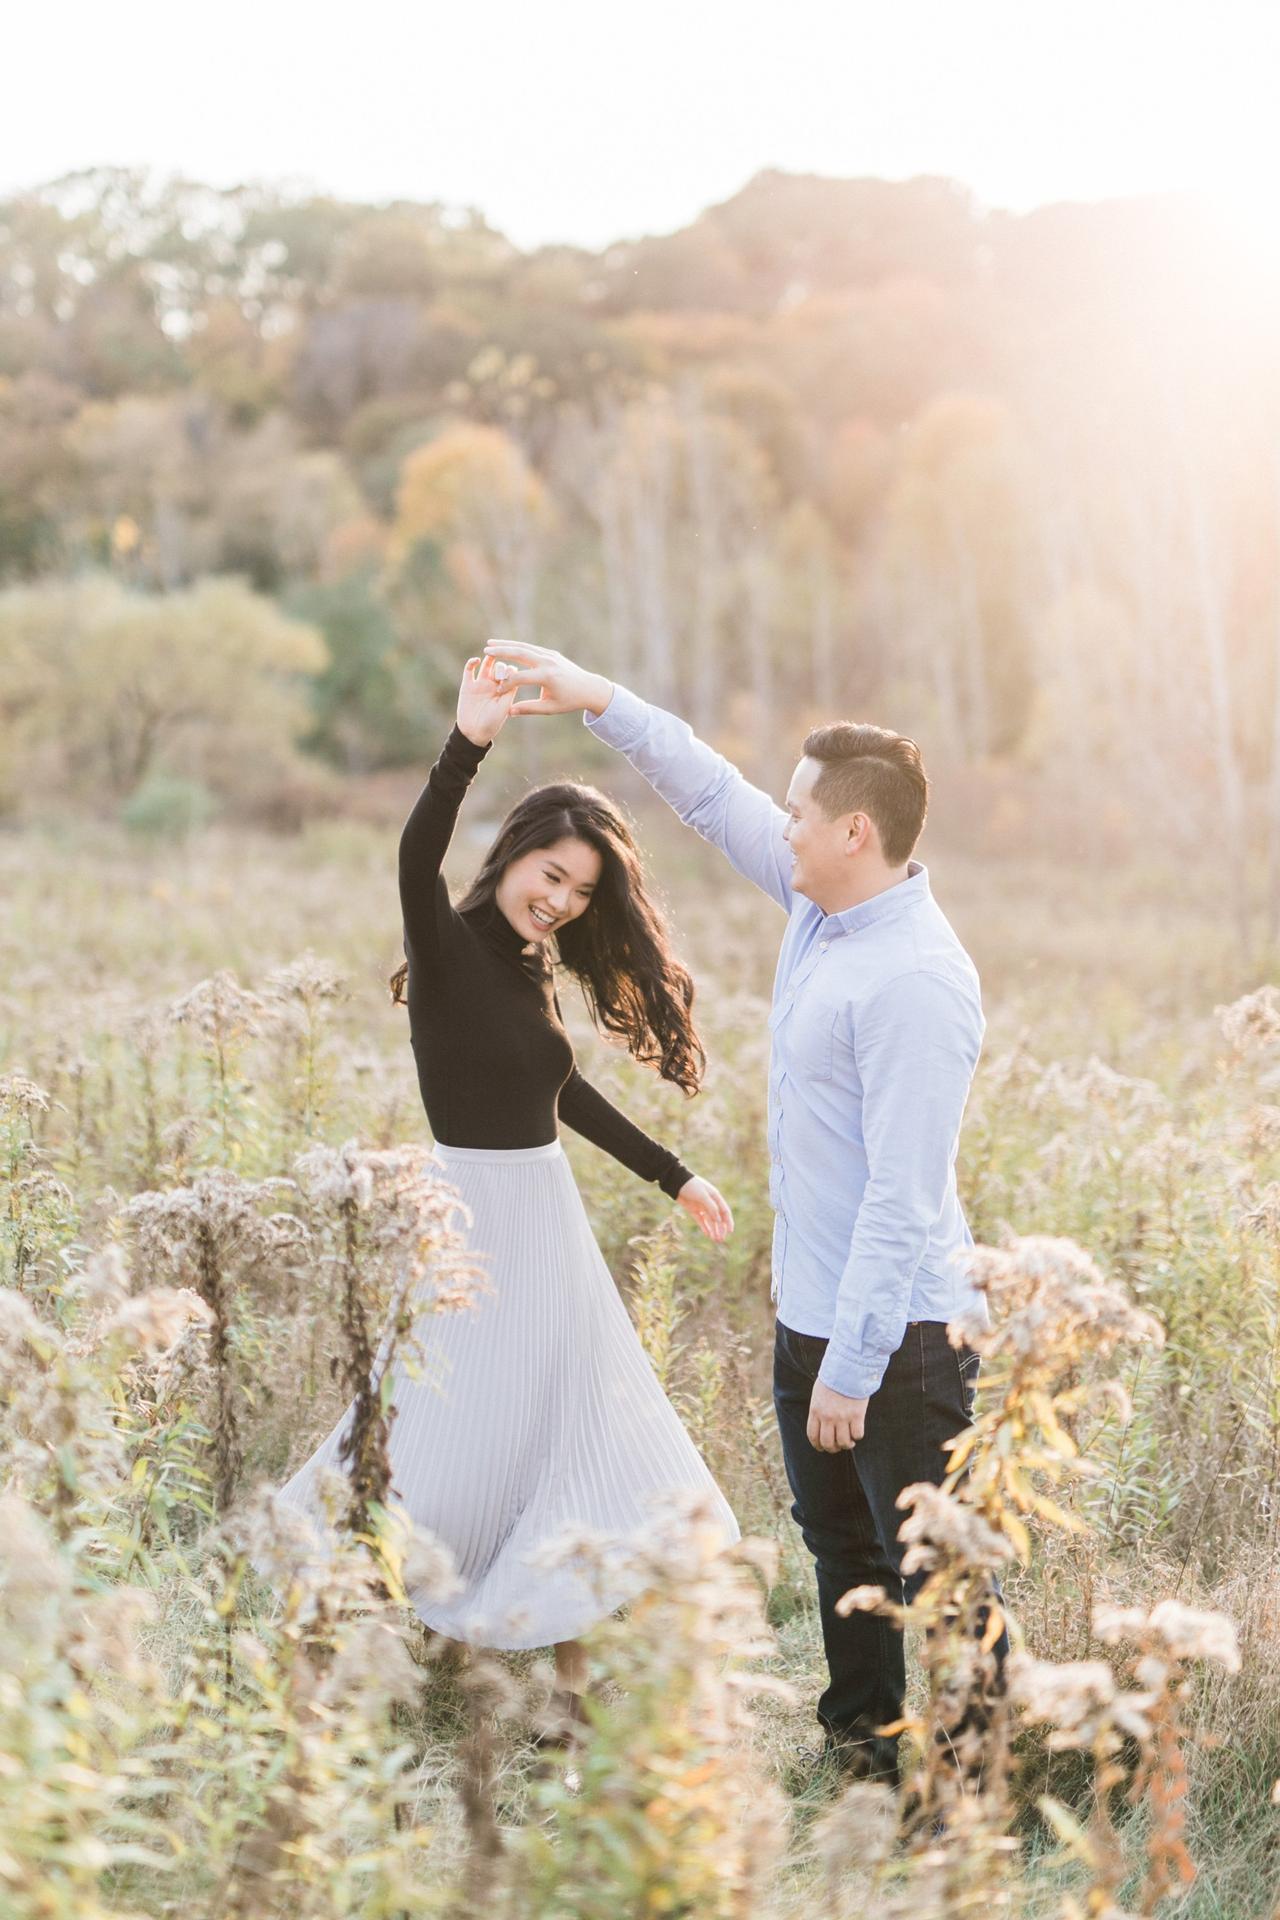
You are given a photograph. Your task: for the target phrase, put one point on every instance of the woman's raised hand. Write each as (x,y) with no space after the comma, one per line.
(484,701)
(566,687)
(708,1206)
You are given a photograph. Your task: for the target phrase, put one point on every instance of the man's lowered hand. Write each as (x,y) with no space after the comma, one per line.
(836,1423)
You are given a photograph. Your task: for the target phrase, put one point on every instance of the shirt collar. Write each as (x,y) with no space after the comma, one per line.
(889,905)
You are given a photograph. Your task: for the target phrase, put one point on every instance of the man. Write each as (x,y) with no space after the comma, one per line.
(876,1028)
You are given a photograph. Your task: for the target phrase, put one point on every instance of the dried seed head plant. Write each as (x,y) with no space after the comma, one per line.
(311,1794)
(147,1030)
(59,1443)
(215,1232)
(1251,1024)
(671,1811)
(1087,1709)
(224,1016)
(221,1011)
(394,1239)
(92,1405)
(38,1208)
(305,991)
(20,1096)
(1051,1313)
(175,1742)
(306,983)
(78,1698)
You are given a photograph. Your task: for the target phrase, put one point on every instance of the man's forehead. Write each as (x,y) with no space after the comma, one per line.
(803,779)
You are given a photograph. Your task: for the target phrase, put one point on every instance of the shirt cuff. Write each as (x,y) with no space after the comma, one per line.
(856,1378)
(623,721)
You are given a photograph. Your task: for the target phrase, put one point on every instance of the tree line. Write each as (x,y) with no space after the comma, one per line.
(1009,482)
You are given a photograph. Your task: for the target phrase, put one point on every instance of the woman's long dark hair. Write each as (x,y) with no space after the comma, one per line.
(619,949)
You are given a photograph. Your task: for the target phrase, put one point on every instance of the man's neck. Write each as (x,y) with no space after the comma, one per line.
(863,887)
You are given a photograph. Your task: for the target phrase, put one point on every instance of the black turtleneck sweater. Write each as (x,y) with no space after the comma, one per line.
(494,1062)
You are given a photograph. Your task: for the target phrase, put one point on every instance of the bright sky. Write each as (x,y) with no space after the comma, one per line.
(589,121)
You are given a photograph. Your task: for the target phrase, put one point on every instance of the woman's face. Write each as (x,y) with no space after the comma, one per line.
(545,889)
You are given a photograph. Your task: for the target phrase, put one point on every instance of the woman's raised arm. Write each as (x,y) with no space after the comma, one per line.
(483,707)
(705,789)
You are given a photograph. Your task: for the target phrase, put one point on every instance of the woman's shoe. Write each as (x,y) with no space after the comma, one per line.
(563,1723)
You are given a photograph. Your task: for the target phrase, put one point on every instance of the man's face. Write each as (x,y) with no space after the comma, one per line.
(819,846)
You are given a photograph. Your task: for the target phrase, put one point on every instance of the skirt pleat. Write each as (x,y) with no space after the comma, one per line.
(537,1416)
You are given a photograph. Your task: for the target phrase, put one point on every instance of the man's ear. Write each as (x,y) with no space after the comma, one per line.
(856,833)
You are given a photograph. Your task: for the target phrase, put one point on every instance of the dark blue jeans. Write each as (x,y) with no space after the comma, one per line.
(846,1508)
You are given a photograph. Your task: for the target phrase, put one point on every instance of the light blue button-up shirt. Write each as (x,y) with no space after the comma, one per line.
(876,1028)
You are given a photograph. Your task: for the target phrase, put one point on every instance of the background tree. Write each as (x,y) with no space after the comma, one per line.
(472,492)
(376,698)
(1008,481)
(106,686)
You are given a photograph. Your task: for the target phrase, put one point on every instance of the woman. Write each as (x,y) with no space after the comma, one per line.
(545,1414)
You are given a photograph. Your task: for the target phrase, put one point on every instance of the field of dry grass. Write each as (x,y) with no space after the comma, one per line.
(179,1743)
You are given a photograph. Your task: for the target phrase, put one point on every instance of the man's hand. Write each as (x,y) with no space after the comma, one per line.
(566,688)
(835,1422)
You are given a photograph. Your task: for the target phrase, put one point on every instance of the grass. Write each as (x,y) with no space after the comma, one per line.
(1169,1185)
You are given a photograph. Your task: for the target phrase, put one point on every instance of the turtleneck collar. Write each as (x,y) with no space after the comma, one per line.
(494,928)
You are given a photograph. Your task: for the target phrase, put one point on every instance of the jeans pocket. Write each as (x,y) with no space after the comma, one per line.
(967,1365)
(802,1350)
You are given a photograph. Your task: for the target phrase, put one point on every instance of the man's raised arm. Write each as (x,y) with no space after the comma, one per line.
(708,793)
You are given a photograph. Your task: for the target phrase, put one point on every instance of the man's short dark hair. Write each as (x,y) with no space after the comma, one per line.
(873,771)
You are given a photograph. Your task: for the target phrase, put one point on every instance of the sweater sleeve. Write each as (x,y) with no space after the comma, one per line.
(424,897)
(587,1111)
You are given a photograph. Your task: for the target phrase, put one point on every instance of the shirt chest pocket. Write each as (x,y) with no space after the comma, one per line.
(804,1034)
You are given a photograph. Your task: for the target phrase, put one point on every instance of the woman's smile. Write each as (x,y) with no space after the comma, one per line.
(571,867)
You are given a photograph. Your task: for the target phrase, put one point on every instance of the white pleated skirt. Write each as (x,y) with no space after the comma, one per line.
(537,1417)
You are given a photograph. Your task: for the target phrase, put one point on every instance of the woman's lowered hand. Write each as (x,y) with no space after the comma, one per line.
(708,1206)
